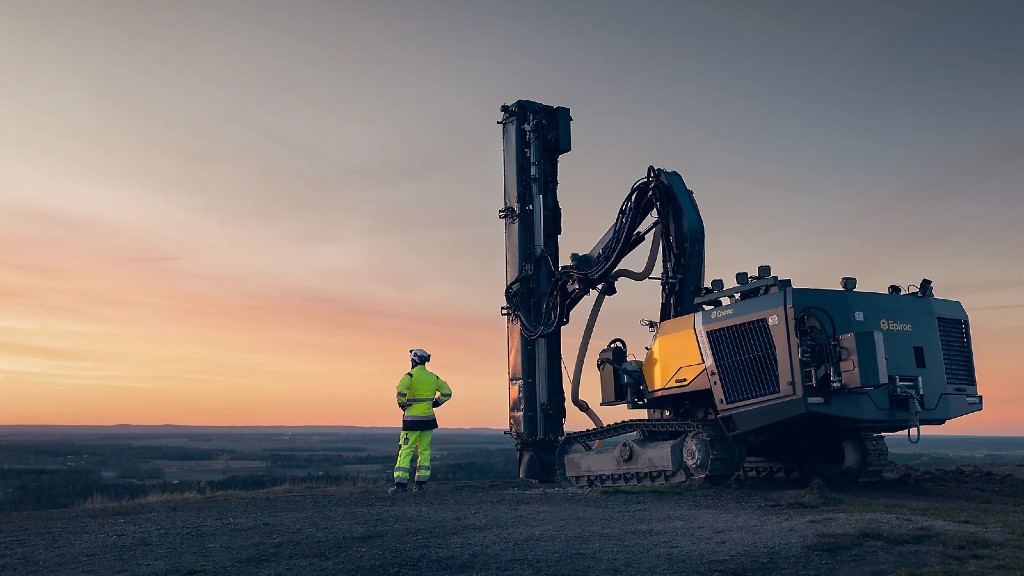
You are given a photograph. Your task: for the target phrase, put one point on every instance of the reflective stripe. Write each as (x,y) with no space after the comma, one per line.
(401,469)
(408,417)
(446,396)
(403,394)
(431,399)
(422,468)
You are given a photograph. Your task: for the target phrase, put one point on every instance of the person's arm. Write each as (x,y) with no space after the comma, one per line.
(446,393)
(403,390)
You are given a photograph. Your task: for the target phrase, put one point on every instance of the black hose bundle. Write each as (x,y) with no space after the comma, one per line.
(572,282)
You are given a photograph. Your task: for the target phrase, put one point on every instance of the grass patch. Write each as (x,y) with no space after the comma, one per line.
(100,501)
(485,484)
(835,541)
(676,488)
(1012,565)
(930,572)
(957,552)
(289,489)
(941,552)
(1008,519)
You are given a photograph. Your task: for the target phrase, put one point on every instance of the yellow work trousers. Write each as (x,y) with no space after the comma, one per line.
(420,442)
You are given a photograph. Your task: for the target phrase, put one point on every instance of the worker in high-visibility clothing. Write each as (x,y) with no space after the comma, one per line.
(419,392)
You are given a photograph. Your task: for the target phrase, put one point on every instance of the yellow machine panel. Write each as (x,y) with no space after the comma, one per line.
(675,360)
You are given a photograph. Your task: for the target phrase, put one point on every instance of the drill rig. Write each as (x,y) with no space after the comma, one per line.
(760,378)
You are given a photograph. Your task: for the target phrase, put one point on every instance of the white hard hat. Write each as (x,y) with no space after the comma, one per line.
(419,356)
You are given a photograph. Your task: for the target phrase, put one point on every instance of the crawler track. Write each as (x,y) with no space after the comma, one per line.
(724,462)
(726,456)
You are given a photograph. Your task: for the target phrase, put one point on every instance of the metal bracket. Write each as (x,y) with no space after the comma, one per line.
(508,213)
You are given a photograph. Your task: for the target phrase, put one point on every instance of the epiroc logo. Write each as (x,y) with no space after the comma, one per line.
(895,326)
(720,313)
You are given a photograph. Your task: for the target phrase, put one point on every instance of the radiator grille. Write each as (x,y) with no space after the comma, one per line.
(957,356)
(745,359)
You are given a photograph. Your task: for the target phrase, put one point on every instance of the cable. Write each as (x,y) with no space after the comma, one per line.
(914,406)
(566,368)
(572,282)
(810,311)
(831,320)
(588,331)
(917,426)
(652,260)
(581,356)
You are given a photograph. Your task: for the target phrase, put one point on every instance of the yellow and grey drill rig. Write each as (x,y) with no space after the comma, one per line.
(759,378)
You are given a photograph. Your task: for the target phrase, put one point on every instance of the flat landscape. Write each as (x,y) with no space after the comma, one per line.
(934,516)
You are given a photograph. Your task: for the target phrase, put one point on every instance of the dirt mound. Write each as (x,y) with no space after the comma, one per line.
(963,482)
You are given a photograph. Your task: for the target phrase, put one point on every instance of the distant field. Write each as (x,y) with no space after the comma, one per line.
(1003,454)
(957,445)
(52,467)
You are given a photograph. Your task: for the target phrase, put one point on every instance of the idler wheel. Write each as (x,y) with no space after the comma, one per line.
(697,454)
(625,452)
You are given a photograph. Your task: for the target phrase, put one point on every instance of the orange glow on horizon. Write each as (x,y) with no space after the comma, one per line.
(94,335)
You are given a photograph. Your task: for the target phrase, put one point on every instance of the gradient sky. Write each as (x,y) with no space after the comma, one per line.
(247,212)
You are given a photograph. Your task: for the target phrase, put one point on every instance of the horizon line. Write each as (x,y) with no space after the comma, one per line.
(368,428)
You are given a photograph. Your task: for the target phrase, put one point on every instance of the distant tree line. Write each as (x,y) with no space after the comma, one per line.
(39,488)
(100,455)
(322,449)
(302,461)
(952,461)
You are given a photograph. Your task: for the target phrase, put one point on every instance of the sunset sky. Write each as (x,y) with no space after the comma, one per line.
(248,212)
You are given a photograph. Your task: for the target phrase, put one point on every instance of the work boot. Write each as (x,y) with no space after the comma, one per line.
(398,488)
(419,487)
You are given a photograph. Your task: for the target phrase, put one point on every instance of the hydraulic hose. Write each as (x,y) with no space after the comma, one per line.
(588,331)
(581,357)
(652,259)
(915,408)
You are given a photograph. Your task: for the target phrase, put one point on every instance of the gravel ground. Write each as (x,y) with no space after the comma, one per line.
(461,529)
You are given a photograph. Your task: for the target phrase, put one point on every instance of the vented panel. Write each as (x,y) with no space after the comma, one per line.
(745,360)
(957,355)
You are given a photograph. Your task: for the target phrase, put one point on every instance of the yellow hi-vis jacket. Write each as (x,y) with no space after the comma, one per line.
(417,394)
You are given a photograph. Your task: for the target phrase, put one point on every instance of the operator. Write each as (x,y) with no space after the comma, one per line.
(417,397)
